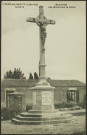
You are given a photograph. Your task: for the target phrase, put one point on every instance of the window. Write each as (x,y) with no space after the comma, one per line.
(73,95)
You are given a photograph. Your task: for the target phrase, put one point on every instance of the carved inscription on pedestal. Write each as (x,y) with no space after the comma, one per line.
(46,98)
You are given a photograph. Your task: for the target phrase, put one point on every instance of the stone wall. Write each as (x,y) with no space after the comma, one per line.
(60,95)
(26,91)
(82,94)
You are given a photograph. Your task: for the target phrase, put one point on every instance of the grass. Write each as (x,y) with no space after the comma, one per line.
(75,127)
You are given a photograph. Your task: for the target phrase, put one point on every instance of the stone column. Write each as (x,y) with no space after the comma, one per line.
(42,58)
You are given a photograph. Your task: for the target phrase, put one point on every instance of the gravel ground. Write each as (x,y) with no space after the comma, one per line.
(75,126)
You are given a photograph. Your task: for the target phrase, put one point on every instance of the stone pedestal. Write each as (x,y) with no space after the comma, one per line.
(43,98)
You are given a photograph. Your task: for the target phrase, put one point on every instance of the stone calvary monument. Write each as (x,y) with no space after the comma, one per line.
(42,111)
(43,94)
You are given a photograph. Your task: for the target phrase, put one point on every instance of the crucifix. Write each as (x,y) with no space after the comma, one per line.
(42,22)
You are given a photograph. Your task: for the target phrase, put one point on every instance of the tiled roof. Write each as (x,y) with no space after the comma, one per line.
(71,83)
(30,83)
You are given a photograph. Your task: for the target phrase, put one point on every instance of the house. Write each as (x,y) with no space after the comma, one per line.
(65,90)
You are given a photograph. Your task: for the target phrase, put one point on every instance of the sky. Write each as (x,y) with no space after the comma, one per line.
(65,43)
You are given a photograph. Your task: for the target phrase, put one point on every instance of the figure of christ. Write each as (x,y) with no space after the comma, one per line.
(43,33)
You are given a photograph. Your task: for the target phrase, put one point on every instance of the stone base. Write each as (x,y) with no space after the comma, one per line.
(34,117)
(43,96)
(43,99)
(43,107)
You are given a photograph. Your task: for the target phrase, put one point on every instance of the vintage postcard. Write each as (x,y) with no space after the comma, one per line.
(43,67)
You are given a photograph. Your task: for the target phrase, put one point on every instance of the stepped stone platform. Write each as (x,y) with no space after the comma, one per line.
(34,117)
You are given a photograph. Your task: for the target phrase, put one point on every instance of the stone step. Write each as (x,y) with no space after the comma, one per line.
(34,118)
(34,111)
(31,114)
(19,117)
(40,111)
(51,114)
(23,122)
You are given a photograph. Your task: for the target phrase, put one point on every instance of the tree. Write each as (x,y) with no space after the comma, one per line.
(8,74)
(30,76)
(16,74)
(36,75)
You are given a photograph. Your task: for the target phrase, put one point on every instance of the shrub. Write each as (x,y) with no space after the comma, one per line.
(83,105)
(13,113)
(5,113)
(65,105)
(28,107)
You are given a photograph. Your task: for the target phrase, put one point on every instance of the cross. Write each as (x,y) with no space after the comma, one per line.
(42,22)
(41,19)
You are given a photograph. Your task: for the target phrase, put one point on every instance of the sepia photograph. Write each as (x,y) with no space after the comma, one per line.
(43,67)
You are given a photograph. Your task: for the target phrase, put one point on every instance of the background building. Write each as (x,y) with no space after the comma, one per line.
(65,90)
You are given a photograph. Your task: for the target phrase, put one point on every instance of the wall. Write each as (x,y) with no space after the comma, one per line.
(26,91)
(82,93)
(60,94)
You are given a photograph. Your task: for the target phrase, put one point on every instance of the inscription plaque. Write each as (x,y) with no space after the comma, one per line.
(46,98)
(73,88)
(34,98)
